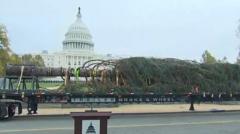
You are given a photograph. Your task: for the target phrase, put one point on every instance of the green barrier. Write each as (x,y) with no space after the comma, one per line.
(94,72)
(77,73)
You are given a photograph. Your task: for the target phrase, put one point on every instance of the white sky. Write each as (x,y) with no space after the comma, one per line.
(158,28)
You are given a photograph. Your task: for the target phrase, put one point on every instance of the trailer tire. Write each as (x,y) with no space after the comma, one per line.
(3,110)
(11,110)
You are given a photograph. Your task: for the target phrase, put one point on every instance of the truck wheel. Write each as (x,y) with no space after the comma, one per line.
(3,110)
(11,110)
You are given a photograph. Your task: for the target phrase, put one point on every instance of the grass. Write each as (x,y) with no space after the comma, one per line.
(41,85)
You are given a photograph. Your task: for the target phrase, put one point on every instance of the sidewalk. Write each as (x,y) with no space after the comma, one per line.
(141,108)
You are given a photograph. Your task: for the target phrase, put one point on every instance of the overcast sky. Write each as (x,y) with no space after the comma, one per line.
(153,28)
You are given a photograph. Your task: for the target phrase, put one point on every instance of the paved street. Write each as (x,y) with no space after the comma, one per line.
(187,123)
(53,109)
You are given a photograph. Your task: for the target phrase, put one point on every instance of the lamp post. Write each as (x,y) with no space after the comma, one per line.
(192,97)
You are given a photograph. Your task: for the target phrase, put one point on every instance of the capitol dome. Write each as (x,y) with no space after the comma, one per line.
(77,47)
(78,37)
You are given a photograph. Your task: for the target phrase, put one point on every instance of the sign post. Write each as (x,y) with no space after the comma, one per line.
(90,122)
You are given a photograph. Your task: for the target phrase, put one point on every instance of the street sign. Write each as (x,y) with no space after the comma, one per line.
(90,122)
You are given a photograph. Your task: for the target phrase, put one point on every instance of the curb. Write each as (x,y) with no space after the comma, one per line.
(130,114)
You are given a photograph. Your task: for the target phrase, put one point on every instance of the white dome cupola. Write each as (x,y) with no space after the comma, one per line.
(78,37)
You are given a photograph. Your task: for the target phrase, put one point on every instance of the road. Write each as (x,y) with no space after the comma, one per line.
(187,123)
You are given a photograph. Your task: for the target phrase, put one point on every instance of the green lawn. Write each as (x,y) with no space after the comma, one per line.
(42,85)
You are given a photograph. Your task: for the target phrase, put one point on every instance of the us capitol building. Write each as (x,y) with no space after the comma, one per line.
(78,47)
